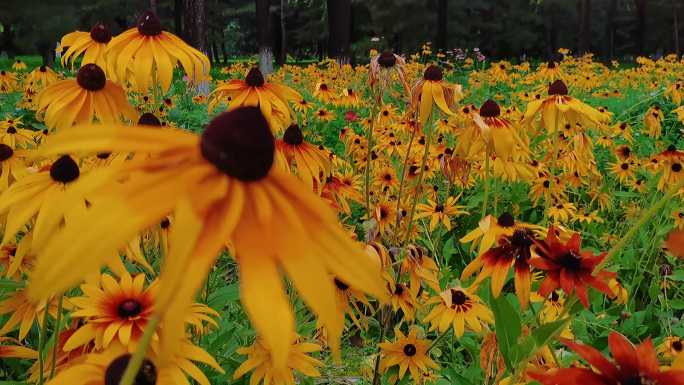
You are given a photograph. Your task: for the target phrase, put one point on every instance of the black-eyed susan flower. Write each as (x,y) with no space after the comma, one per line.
(261,364)
(567,267)
(82,100)
(439,212)
(146,52)
(671,348)
(23,313)
(19,65)
(306,161)
(402,297)
(382,67)
(511,251)
(432,89)
(653,119)
(12,165)
(107,367)
(420,267)
(41,77)
(323,92)
(272,98)
(8,82)
(221,186)
(490,229)
(458,307)
(91,45)
(409,352)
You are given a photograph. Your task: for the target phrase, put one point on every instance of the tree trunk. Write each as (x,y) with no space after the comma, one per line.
(610,30)
(264,36)
(442,24)
(675,12)
(551,32)
(641,26)
(153,6)
(178,17)
(224,51)
(47,52)
(339,30)
(282,54)
(195,25)
(584,40)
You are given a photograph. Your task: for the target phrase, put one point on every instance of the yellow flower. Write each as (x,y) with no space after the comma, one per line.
(260,361)
(409,353)
(221,186)
(439,213)
(82,100)
(431,89)
(147,52)
(91,45)
(24,312)
(458,307)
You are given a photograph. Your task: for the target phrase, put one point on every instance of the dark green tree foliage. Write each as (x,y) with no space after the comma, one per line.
(505,29)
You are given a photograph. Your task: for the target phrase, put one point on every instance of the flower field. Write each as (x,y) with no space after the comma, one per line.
(429,218)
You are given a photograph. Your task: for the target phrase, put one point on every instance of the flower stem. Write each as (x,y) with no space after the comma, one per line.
(402,179)
(136,360)
(41,343)
(369,144)
(383,327)
(419,184)
(436,340)
(58,327)
(485,195)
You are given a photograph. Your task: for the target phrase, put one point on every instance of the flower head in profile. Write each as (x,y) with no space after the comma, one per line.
(382,67)
(92,45)
(569,268)
(254,91)
(220,186)
(82,100)
(631,365)
(432,89)
(146,52)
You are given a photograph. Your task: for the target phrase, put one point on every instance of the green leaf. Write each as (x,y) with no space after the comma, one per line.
(10,284)
(224,296)
(547,332)
(507,327)
(448,250)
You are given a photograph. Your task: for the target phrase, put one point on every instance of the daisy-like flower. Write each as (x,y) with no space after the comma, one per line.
(311,164)
(383,65)
(402,297)
(147,52)
(409,353)
(561,212)
(432,89)
(514,250)
(653,120)
(352,302)
(112,311)
(569,268)
(14,258)
(498,133)
(420,267)
(221,186)
(24,312)
(271,97)
(490,229)
(19,65)
(560,108)
(41,77)
(632,365)
(108,367)
(324,115)
(259,361)
(12,165)
(624,171)
(8,82)
(458,307)
(91,45)
(323,92)
(439,213)
(671,348)
(82,100)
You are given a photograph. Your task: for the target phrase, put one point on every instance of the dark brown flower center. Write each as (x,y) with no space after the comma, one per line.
(636,380)
(147,374)
(439,208)
(551,65)
(149,24)
(410,350)
(6,152)
(506,220)
(677,345)
(293,135)
(103,155)
(42,69)
(3,73)
(558,88)
(149,119)
(399,289)
(521,238)
(64,170)
(676,167)
(11,130)
(490,109)
(165,223)
(624,166)
(91,77)
(387,59)
(570,261)
(240,144)
(100,33)
(433,73)
(341,285)
(129,308)
(254,77)
(458,297)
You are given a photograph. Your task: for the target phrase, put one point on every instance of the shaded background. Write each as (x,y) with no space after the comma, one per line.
(309,29)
